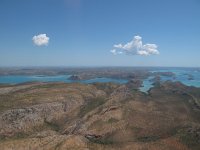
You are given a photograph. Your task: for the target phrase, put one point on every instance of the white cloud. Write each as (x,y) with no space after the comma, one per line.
(115,52)
(135,47)
(40,40)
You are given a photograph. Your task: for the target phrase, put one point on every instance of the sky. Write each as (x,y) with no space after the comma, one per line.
(100,33)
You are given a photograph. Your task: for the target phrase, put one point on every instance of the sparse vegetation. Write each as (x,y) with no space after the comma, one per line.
(105,140)
(148,138)
(111,119)
(91,105)
(52,125)
(190,137)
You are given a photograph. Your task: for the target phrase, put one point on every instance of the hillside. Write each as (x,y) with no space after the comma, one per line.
(60,116)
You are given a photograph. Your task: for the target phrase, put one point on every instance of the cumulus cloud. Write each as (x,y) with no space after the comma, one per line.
(135,47)
(40,40)
(115,52)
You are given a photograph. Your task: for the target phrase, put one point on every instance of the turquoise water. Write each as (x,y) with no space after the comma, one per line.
(147,84)
(12,79)
(181,75)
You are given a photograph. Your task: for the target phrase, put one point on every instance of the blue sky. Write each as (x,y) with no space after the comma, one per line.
(82,32)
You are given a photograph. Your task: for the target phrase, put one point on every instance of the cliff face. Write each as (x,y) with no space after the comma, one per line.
(99,116)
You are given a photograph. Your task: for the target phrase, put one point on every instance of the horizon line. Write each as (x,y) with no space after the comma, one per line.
(97,66)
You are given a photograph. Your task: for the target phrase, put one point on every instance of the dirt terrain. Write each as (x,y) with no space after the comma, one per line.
(60,116)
